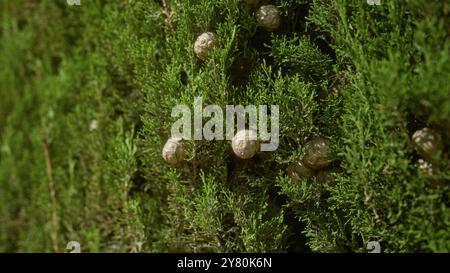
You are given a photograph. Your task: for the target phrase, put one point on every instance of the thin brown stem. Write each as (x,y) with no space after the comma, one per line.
(168,14)
(52,188)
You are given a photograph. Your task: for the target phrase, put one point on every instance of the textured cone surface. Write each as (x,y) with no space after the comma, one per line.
(298,170)
(427,142)
(268,17)
(244,144)
(204,44)
(317,153)
(173,151)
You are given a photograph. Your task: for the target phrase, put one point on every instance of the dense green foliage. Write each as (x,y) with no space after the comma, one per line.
(365,77)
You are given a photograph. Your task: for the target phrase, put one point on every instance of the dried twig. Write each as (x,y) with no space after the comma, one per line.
(194,165)
(52,188)
(168,14)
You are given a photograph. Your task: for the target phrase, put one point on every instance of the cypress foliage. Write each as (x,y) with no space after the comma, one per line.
(86,98)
